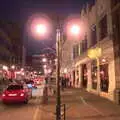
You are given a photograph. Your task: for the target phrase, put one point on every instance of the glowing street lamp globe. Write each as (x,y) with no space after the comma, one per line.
(40,29)
(75,30)
(44,60)
(13,66)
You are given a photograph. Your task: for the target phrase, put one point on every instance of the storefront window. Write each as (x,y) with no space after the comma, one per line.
(104,79)
(94,74)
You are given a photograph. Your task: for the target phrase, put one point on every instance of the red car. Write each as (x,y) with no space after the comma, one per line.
(16,93)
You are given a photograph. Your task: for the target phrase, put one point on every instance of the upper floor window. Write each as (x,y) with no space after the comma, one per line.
(114,3)
(75,51)
(103,27)
(93,35)
(84,45)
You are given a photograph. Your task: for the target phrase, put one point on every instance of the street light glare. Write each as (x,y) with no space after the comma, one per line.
(75,29)
(45,66)
(44,60)
(41,29)
(13,67)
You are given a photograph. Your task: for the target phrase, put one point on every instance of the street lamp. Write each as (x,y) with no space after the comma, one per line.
(44,60)
(13,67)
(41,30)
(44,66)
(75,29)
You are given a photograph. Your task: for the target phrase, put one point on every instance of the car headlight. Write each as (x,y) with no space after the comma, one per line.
(22,94)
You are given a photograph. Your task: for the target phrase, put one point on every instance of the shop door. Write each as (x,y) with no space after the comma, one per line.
(84,76)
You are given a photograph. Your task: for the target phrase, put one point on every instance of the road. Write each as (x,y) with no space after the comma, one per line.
(80,105)
(22,111)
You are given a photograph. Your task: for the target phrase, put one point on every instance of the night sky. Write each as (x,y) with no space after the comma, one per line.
(20,11)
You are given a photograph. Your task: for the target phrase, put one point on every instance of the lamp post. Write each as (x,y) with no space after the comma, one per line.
(75,30)
(58,98)
(40,29)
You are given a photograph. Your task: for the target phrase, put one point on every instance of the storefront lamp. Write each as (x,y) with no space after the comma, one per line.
(103,60)
(65,70)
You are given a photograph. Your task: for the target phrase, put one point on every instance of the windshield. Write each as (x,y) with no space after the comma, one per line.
(15,87)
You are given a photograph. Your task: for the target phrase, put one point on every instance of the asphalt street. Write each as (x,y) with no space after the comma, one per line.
(21,111)
(80,105)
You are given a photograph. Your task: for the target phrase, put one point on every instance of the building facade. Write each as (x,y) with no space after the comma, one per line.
(11,43)
(99,71)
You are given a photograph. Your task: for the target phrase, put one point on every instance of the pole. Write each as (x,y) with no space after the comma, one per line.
(98,75)
(58,98)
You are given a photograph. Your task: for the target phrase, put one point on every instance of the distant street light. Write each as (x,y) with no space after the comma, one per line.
(49,70)
(22,69)
(13,66)
(44,66)
(44,59)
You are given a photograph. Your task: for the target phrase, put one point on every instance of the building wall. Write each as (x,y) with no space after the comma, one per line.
(109,45)
(94,16)
(11,43)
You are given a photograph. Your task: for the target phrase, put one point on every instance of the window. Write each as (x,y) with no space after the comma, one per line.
(114,2)
(103,27)
(93,35)
(15,87)
(116,26)
(83,45)
(76,51)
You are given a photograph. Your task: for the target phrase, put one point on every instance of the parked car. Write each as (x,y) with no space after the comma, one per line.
(16,93)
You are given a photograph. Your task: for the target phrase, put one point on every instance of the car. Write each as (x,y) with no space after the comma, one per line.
(16,93)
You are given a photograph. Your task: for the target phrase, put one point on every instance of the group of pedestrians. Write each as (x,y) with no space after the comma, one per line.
(65,82)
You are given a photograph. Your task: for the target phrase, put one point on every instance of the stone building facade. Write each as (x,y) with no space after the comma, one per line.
(98,74)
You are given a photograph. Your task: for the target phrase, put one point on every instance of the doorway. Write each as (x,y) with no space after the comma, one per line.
(84,76)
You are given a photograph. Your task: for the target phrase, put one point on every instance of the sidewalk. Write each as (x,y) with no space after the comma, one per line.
(81,105)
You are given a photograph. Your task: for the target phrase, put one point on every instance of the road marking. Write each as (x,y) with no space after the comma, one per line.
(91,106)
(82,99)
(37,110)
(36,114)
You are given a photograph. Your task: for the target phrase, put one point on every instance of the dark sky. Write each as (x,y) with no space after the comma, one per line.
(20,10)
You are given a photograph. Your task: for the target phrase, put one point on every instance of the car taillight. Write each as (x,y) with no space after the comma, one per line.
(3,95)
(22,94)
